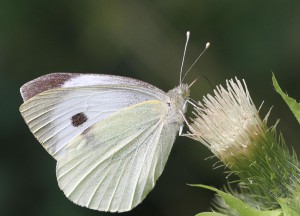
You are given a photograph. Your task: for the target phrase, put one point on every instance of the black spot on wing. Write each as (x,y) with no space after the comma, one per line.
(78,119)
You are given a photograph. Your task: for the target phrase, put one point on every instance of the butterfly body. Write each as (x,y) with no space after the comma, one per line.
(177,99)
(111,135)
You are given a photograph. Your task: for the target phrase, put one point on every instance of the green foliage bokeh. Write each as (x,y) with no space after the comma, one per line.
(144,40)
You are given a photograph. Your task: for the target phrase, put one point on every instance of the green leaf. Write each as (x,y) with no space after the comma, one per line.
(238,205)
(292,103)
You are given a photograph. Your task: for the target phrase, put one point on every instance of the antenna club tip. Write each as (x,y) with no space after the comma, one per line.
(207,45)
(188,33)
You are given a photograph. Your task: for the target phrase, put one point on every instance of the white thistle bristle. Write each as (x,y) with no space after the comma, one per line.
(227,122)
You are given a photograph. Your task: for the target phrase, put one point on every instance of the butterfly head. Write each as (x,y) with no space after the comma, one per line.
(183,91)
(180,93)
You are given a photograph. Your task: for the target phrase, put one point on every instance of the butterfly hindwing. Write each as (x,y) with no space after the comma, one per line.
(112,165)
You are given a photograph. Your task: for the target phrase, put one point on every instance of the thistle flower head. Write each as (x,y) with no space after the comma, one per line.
(228,122)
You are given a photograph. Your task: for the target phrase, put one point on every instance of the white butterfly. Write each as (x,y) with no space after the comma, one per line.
(110,135)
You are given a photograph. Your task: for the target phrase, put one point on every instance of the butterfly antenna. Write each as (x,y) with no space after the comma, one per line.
(206,47)
(186,43)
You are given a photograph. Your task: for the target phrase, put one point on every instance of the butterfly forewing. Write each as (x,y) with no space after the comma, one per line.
(114,164)
(57,115)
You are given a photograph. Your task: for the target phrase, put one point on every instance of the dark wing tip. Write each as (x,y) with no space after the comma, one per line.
(44,83)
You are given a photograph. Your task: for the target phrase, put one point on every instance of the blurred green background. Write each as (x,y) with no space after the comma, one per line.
(144,40)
